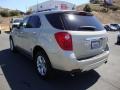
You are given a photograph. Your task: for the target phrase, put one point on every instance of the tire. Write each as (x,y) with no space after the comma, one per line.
(107,48)
(12,47)
(43,65)
(118,40)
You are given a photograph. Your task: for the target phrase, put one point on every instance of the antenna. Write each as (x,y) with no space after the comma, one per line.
(37,5)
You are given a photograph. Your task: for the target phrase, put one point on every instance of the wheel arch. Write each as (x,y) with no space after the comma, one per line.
(36,49)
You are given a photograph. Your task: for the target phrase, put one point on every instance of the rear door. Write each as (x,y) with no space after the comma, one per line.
(20,35)
(30,33)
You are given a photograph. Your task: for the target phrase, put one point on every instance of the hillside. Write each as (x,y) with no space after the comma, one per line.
(9,13)
(117,2)
(112,16)
(6,15)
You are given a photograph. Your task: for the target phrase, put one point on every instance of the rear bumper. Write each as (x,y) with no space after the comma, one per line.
(68,62)
(94,65)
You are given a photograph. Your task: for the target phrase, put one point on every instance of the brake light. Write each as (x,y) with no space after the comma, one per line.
(64,40)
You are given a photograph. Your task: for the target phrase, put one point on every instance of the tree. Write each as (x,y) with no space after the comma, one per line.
(87,8)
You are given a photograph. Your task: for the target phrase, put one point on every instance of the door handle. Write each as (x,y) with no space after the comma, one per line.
(21,32)
(34,33)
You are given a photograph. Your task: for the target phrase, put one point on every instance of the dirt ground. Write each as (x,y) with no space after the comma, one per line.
(5,24)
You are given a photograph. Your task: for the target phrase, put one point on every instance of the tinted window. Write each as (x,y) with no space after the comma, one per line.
(55,20)
(74,21)
(33,22)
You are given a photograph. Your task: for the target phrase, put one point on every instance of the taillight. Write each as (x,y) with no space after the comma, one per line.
(64,40)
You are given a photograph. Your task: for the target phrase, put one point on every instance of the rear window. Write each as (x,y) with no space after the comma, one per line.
(77,21)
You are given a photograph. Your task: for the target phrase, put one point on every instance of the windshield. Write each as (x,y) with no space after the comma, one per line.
(75,21)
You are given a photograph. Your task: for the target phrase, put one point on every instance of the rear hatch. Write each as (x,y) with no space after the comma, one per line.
(88,35)
(88,44)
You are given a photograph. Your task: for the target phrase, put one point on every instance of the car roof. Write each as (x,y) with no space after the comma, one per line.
(57,11)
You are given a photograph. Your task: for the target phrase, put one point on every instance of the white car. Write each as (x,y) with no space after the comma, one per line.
(15,22)
(113,28)
(64,40)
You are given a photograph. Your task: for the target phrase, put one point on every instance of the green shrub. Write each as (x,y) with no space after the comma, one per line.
(114,8)
(14,13)
(87,8)
(4,13)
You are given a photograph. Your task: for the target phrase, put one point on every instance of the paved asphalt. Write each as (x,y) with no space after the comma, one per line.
(17,72)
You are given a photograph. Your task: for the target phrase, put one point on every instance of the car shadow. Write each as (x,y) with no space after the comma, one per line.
(117,43)
(20,75)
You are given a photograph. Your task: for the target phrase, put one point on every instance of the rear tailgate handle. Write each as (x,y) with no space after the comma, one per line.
(95,38)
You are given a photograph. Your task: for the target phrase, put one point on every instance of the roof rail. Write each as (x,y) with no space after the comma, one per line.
(45,10)
(51,9)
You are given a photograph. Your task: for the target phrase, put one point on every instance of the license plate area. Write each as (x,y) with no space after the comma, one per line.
(95,44)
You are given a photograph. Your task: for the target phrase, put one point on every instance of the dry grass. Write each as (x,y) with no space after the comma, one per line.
(110,17)
(104,17)
(4,25)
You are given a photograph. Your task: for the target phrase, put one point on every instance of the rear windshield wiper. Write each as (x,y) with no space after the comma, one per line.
(92,28)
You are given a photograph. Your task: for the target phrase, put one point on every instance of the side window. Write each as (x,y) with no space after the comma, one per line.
(25,22)
(33,22)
